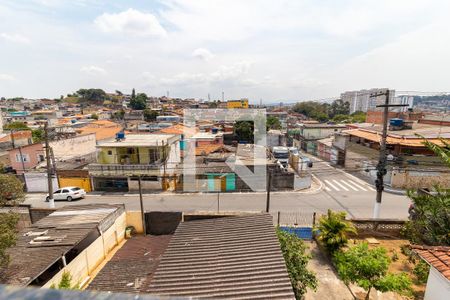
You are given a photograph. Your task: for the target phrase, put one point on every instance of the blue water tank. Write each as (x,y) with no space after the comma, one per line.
(214,130)
(120,135)
(396,122)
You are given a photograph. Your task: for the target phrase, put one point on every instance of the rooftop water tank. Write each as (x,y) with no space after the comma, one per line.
(396,122)
(120,135)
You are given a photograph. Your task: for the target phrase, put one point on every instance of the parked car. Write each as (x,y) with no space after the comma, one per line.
(68,193)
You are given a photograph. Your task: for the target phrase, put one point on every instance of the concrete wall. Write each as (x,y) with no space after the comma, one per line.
(37,182)
(88,260)
(438,287)
(74,147)
(416,179)
(134,219)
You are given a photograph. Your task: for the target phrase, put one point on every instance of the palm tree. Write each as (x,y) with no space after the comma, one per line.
(333,229)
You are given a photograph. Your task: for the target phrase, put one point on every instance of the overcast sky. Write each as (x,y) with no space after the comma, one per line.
(274,50)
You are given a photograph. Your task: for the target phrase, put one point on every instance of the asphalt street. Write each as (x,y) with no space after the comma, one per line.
(338,191)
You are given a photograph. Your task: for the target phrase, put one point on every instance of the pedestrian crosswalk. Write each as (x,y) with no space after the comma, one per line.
(345,185)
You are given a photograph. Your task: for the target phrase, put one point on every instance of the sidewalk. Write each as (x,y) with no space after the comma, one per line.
(330,287)
(387,189)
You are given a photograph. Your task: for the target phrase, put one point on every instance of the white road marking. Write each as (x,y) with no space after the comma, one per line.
(327,189)
(332,185)
(349,185)
(357,185)
(337,182)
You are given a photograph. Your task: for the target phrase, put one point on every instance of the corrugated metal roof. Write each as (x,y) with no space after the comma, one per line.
(228,258)
(132,267)
(68,226)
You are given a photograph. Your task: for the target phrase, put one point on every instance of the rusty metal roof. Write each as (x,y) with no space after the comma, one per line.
(64,229)
(229,258)
(133,265)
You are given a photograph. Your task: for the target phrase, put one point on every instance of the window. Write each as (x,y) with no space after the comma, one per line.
(65,191)
(109,152)
(57,192)
(40,157)
(76,189)
(23,158)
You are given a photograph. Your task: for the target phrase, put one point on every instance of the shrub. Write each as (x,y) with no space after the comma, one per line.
(296,261)
(66,283)
(421,271)
(333,229)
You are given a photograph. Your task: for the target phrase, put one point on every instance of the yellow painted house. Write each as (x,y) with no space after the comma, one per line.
(243,103)
(149,156)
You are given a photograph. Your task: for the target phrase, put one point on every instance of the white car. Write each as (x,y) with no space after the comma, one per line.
(68,193)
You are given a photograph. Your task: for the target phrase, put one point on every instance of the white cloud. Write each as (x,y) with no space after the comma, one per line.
(131,22)
(203,54)
(231,75)
(15,38)
(93,70)
(7,77)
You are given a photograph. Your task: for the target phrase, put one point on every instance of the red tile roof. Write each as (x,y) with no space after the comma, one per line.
(437,256)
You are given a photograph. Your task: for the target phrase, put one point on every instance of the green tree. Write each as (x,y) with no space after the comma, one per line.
(358,117)
(139,102)
(442,151)
(243,130)
(11,193)
(296,260)
(37,135)
(342,118)
(92,95)
(339,107)
(368,268)
(118,115)
(16,126)
(333,229)
(430,221)
(273,123)
(312,109)
(94,116)
(150,115)
(133,94)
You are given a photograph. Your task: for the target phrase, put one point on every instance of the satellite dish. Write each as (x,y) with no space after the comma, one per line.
(390,157)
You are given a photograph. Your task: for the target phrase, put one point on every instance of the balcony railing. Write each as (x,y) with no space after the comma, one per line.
(124,170)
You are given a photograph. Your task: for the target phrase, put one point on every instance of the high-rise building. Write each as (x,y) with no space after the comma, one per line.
(406,100)
(361,100)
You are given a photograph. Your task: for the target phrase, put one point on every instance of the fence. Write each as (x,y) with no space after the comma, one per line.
(299,223)
(302,223)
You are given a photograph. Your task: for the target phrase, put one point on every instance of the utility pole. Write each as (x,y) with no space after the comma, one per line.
(142,206)
(52,156)
(381,166)
(269,187)
(51,201)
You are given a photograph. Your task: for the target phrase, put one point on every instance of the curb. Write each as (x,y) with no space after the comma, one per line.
(395,192)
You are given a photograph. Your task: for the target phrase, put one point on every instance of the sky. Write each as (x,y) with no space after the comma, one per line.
(270,50)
